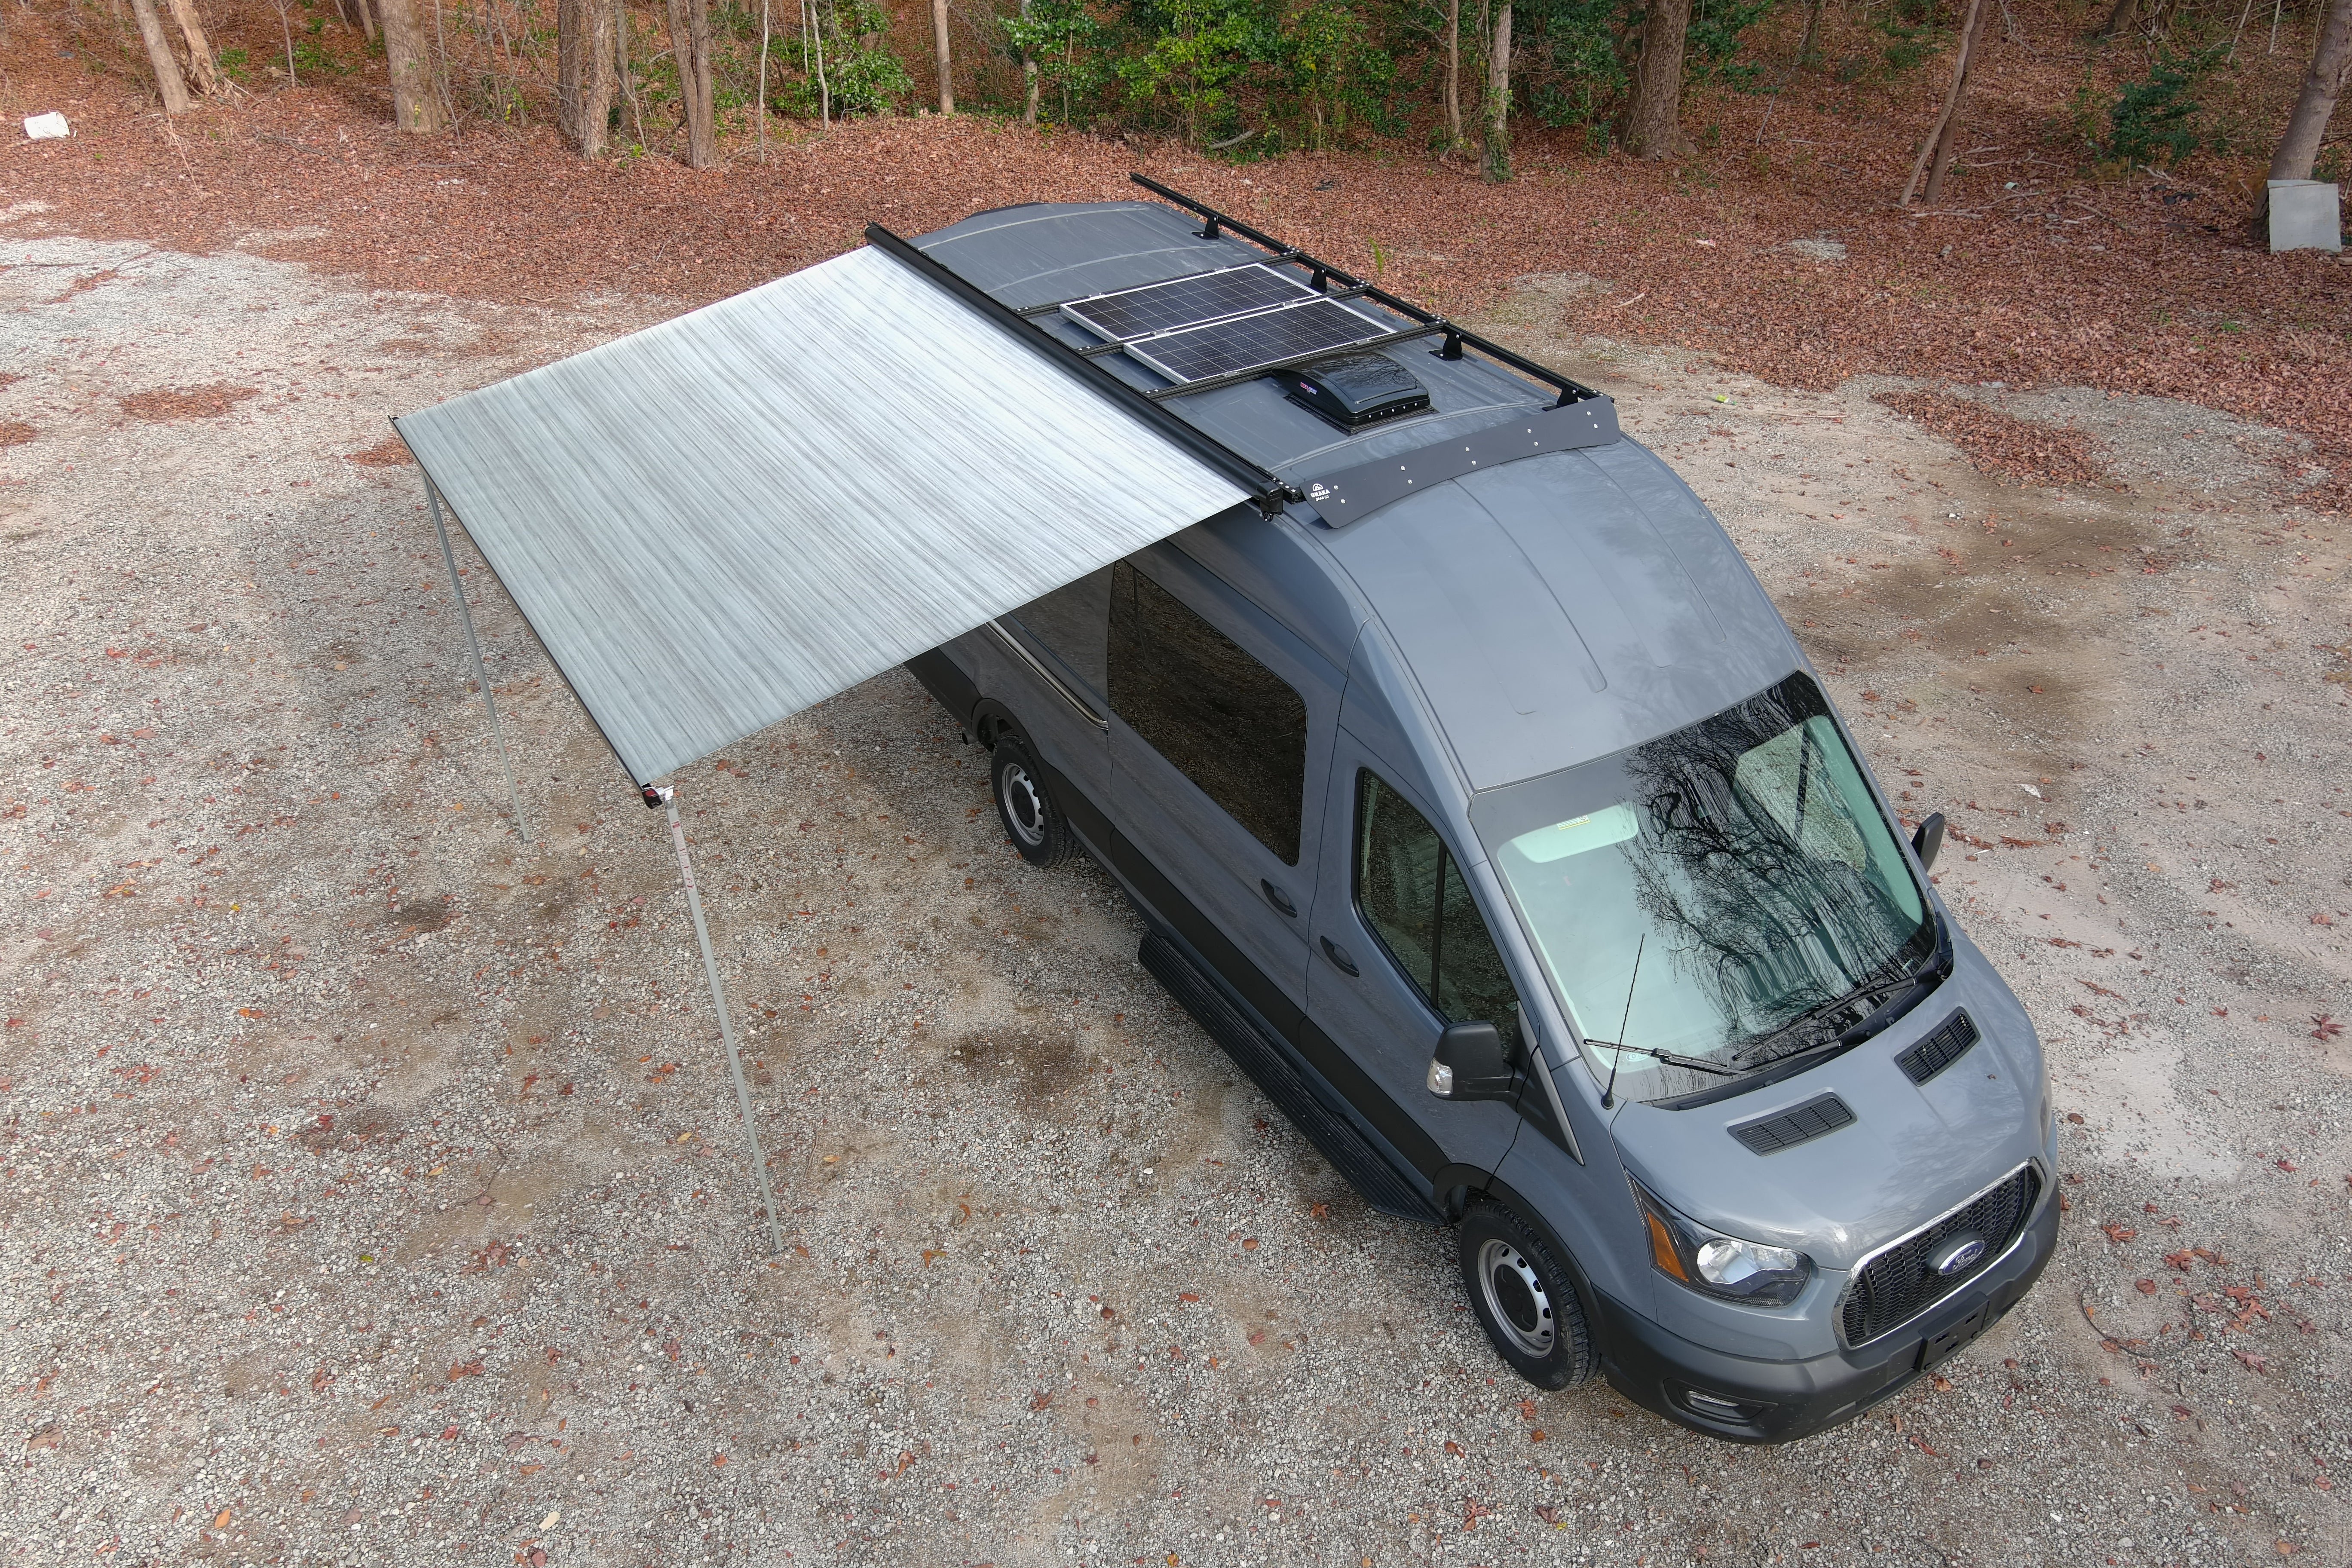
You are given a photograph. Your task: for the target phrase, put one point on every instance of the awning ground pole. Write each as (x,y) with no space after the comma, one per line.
(481,675)
(718,1000)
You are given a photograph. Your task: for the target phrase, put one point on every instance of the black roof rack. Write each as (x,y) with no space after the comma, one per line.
(1269,489)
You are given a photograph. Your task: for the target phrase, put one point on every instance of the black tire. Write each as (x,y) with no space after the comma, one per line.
(1525,1298)
(1031,820)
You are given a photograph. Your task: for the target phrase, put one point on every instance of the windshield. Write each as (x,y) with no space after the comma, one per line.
(1743,861)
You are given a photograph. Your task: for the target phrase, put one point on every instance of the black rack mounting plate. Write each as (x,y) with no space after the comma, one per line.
(1352,494)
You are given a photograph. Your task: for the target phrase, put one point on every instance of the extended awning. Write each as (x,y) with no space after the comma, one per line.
(718,521)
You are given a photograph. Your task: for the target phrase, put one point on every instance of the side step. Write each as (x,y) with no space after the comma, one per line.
(1269,1066)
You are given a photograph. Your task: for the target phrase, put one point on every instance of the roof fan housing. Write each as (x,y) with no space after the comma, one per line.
(1352,391)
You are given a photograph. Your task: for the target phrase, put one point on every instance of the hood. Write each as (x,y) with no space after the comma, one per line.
(1565,606)
(1913,1151)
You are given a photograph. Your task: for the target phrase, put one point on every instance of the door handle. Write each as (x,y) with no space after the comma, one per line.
(1339,956)
(1278,899)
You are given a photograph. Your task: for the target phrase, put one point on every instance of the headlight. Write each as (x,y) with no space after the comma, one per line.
(1719,1265)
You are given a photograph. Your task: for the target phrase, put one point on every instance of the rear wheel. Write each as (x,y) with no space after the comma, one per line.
(1524,1298)
(1031,820)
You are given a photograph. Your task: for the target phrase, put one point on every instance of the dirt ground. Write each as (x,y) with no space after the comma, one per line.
(372,1190)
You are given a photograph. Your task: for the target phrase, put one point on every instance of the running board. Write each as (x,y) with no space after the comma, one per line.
(1270,1066)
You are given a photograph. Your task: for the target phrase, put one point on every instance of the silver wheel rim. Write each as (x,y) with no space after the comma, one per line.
(1516,1303)
(1024,808)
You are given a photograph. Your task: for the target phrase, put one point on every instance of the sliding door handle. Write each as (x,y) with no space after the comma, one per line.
(1278,899)
(1339,957)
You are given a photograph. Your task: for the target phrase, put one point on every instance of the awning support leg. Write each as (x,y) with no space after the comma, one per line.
(726,1026)
(481,675)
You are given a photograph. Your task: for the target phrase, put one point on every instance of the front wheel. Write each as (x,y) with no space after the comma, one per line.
(1524,1298)
(1031,820)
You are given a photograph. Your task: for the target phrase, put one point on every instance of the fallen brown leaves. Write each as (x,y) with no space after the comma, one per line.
(391,452)
(2002,444)
(168,403)
(15,431)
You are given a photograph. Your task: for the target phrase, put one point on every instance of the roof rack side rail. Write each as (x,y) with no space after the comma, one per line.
(1456,337)
(1266,488)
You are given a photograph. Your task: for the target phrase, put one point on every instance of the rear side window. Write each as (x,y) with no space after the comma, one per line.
(1073,622)
(1412,895)
(1225,721)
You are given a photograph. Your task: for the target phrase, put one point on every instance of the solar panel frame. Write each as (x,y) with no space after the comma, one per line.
(1262,338)
(1194,301)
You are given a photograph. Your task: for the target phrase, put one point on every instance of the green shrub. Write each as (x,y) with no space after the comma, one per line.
(2154,120)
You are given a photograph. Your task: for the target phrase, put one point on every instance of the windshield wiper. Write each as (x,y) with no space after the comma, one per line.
(1820,1010)
(1694,1063)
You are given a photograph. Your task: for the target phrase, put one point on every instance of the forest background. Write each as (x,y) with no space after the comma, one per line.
(2044,190)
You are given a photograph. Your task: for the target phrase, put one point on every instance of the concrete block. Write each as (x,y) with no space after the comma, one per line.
(2306,216)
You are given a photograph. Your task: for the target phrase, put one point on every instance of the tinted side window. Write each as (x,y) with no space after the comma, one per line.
(1073,622)
(1225,721)
(1414,897)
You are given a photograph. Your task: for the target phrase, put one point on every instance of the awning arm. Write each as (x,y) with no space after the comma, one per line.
(481,675)
(667,799)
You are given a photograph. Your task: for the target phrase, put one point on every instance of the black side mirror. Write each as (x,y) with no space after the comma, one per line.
(1470,1064)
(1929,840)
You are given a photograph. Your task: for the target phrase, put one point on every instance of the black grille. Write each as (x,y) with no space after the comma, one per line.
(1899,1284)
(1824,1113)
(1939,1050)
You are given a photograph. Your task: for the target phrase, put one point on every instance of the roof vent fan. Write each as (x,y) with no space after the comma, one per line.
(1352,391)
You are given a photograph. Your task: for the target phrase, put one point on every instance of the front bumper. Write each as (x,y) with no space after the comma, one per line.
(1750,1401)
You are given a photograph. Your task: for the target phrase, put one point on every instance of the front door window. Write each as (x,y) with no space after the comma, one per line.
(1414,899)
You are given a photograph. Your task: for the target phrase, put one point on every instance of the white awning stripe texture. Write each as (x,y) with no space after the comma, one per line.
(725,519)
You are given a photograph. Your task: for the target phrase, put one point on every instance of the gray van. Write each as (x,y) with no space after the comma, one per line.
(1405,778)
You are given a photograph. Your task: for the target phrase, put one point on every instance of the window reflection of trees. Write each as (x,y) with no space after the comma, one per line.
(1762,911)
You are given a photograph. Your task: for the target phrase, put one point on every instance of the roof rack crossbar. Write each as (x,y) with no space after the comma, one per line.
(1268,489)
(1456,338)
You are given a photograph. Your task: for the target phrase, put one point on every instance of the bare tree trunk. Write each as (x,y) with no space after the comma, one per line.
(1937,142)
(1028,78)
(571,19)
(1496,164)
(1653,120)
(159,56)
(2119,20)
(1809,47)
(200,52)
(366,9)
(2331,64)
(940,48)
(583,72)
(416,98)
(1948,144)
(689,41)
(1452,74)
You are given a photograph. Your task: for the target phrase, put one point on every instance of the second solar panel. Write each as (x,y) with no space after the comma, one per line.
(1185,301)
(1224,348)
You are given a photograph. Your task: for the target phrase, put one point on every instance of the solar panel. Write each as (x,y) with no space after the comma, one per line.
(1185,303)
(1221,348)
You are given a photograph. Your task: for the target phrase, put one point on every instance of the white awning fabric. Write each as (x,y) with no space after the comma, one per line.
(721,520)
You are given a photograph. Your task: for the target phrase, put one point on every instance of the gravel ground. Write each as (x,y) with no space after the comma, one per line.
(372,1190)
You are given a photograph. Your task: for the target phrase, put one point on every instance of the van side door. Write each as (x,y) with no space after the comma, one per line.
(1221,725)
(1400,952)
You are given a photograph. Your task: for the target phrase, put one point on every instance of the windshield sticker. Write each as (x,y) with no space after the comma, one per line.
(1594,830)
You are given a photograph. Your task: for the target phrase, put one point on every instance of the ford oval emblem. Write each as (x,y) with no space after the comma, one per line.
(1957,1255)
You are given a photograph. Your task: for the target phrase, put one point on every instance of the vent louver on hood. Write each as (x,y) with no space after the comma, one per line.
(1769,1135)
(1939,1050)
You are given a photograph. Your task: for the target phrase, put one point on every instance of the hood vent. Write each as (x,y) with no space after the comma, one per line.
(1355,390)
(1939,1050)
(1824,1113)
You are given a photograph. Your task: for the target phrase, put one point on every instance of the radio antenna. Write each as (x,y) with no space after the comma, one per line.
(1608,1094)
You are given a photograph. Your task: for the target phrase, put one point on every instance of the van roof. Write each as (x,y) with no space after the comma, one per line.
(1552,609)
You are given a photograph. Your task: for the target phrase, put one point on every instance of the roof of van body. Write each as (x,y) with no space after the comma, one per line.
(1553,609)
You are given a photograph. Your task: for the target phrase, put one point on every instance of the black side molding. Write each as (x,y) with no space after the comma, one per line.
(1380,1183)
(949,687)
